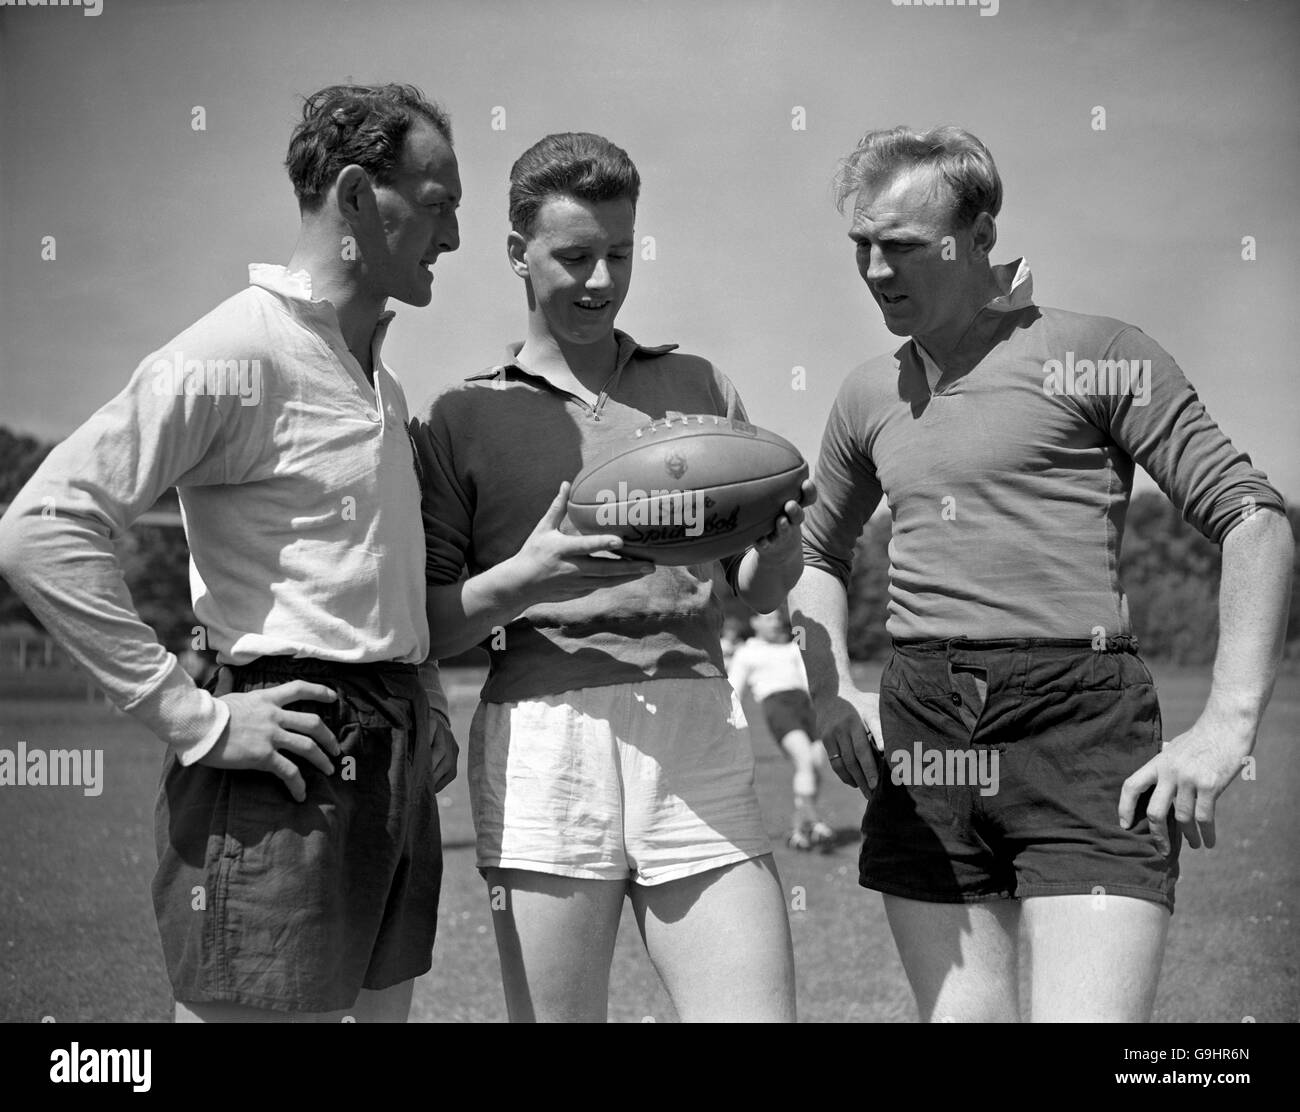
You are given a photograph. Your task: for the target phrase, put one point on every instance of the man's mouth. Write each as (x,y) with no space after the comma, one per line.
(593,306)
(893,300)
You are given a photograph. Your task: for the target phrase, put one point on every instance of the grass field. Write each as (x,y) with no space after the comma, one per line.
(78,941)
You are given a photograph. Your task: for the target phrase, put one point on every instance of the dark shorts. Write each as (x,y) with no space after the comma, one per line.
(787,711)
(1002,772)
(298,906)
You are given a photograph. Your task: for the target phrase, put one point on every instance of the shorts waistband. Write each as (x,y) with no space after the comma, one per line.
(313,668)
(1120,644)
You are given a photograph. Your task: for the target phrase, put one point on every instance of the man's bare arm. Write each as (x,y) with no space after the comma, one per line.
(769,569)
(550,567)
(1196,767)
(1254,601)
(847,718)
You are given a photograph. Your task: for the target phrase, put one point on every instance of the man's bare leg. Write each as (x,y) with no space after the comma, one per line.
(720,942)
(555,937)
(961,959)
(1094,959)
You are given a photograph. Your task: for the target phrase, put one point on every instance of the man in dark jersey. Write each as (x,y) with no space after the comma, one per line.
(1013,759)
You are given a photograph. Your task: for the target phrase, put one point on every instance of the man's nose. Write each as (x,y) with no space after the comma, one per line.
(449,234)
(600,278)
(877,269)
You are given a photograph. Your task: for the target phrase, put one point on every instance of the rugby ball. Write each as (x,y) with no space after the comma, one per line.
(688,489)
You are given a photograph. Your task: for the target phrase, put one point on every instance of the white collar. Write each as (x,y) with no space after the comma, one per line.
(295,287)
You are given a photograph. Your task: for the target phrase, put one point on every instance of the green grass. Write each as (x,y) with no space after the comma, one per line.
(78,940)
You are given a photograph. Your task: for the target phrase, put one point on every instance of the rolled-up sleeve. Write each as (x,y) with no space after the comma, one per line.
(1163,425)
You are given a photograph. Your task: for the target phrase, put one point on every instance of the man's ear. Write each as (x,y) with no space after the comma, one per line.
(983,236)
(515,247)
(354,197)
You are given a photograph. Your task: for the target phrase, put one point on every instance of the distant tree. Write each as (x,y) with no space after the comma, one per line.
(155,563)
(869,592)
(155,559)
(20,456)
(1170,574)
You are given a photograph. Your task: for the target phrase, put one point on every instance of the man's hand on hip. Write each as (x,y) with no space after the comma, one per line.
(260,728)
(849,723)
(1189,774)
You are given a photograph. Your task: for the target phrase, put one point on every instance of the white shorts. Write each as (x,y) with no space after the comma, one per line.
(653,781)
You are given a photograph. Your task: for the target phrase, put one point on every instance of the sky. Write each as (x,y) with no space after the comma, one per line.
(154,222)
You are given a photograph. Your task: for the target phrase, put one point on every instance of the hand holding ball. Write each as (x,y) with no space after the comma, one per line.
(688,489)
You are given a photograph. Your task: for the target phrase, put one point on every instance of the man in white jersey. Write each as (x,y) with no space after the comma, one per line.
(297,826)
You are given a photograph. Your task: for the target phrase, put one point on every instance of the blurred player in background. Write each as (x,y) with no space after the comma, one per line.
(770,665)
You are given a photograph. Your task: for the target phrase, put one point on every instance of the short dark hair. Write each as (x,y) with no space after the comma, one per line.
(957,158)
(365,125)
(572,163)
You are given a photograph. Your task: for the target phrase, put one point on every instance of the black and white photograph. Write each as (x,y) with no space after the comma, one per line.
(734,511)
